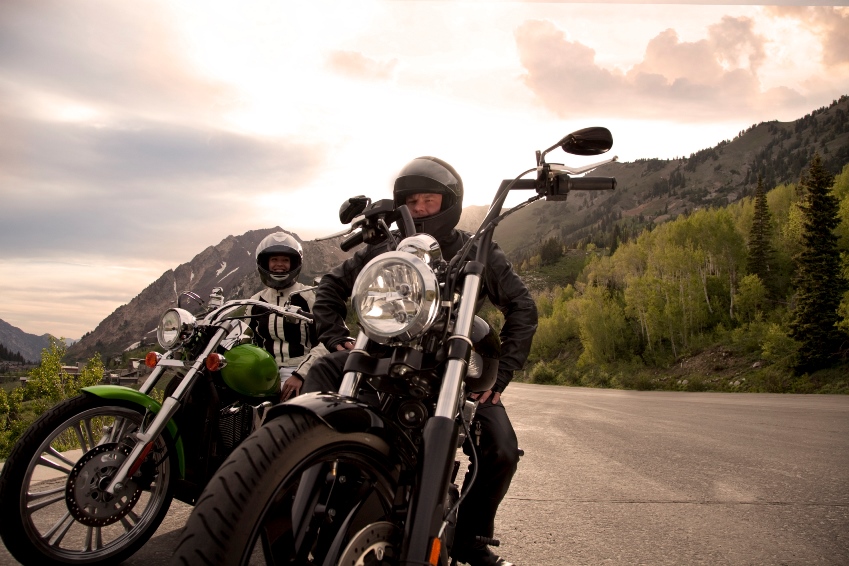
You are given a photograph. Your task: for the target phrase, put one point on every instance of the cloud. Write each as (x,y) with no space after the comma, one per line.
(115,56)
(357,65)
(69,186)
(107,146)
(829,22)
(713,78)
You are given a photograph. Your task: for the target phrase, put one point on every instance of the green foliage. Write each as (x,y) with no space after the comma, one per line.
(750,298)
(47,384)
(679,291)
(550,251)
(602,326)
(760,246)
(819,281)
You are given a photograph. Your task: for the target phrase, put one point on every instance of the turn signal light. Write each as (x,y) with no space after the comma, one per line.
(435,549)
(215,362)
(152,358)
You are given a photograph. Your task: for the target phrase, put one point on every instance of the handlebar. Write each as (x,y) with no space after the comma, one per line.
(561,185)
(586,183)
(290,311)
(351,241)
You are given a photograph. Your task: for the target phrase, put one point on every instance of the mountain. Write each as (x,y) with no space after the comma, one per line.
(229,265)
(651,191)
(17,341)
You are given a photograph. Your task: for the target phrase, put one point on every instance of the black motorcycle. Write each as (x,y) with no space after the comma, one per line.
(366,476)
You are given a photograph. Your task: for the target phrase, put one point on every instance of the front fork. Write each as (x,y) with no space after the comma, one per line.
(144,439)
(423,543)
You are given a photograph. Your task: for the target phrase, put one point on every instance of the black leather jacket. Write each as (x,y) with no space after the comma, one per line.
(500,284)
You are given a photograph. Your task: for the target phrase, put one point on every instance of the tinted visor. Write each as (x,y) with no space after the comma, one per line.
(426,176)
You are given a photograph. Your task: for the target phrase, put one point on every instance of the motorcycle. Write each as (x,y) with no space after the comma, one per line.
(90,481)
(368,475)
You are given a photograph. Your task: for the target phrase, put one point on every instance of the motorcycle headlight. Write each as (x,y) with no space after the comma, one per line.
(396,295)
(175,327)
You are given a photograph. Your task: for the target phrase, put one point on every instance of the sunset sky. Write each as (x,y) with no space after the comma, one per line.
(135,134)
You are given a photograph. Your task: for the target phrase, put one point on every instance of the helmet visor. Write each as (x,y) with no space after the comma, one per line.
(427,168)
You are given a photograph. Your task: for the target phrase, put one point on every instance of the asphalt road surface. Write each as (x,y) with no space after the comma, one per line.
(626,477)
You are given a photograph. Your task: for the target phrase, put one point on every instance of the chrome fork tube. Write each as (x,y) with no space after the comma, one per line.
(452,382)
(166,412)
(351,379)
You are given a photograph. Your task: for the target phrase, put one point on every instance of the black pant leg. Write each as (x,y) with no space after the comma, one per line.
(325,375)
(498,458)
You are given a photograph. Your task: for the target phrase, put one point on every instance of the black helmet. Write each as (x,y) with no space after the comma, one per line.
(279,243)
(432,175)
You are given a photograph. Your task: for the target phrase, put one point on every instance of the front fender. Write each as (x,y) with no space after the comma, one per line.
(137,398)
(349,415)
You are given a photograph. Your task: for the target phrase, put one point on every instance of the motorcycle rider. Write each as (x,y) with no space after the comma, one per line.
(293,343)
(433,191)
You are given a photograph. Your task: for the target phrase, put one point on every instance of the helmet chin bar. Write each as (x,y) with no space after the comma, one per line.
(439,225)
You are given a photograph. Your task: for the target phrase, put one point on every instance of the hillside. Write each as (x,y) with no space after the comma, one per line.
(229,264)
(651,191)
(17,341)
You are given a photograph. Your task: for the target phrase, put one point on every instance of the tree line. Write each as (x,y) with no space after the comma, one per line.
(6,355)
(766,276)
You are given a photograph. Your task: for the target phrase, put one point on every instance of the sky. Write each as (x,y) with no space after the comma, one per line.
(133,135)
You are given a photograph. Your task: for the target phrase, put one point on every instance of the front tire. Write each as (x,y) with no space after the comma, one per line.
(52,498)
(294,492)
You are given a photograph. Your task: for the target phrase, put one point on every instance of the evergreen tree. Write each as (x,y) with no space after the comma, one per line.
(9,356)
(615,238)
(760,248)
(550,251)
(819,281)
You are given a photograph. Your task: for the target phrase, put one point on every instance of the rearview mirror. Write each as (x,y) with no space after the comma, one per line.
(589,141)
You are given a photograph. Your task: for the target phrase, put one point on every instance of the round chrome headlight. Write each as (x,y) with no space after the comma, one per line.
(396,295)
(175,327)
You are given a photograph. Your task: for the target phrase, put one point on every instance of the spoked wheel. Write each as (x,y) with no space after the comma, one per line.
(53,497)
(294,492)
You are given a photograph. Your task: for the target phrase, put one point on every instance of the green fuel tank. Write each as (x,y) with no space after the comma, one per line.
(251,371)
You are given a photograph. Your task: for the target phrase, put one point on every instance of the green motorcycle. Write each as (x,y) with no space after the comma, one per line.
(91,480)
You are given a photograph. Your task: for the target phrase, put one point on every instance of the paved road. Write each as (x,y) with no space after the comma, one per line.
(624,477)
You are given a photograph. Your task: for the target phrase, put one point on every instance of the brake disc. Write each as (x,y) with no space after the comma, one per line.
(377,544)
(85,491)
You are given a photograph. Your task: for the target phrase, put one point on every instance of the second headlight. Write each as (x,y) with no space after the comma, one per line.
(396,296)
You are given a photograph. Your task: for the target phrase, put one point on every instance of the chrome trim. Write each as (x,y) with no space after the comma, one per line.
(351,380)
(187,324)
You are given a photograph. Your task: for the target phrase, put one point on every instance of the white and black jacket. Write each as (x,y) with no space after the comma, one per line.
(293,343)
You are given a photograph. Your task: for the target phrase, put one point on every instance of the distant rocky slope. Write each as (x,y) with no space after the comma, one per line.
(229,265)
(651,191)
(17,341)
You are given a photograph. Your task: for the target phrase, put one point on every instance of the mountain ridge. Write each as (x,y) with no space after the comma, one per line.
(17,341)
(228,264)
(650,191)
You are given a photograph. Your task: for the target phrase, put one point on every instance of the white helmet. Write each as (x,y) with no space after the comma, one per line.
(279,243)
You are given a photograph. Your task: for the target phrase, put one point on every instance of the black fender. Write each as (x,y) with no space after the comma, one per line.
(348,415)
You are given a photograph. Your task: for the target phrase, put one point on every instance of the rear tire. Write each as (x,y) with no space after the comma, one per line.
(293,492)
(52,501)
